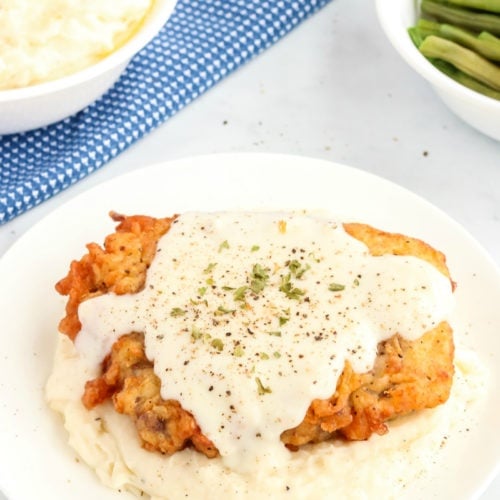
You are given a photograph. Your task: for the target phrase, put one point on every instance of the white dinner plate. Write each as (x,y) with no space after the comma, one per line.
(35,460)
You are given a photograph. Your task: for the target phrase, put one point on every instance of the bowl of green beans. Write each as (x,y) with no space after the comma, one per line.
(455,46)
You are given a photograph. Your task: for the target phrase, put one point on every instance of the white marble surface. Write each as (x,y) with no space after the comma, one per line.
(332,89)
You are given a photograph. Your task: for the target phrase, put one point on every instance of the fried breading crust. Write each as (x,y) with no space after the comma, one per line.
(120,267)
(129,379)
(407,375)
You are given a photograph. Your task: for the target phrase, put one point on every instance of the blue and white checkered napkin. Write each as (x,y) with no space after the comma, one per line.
(203,41)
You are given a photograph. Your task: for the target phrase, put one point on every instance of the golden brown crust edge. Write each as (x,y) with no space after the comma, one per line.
(119,266)
(381,242)
(407,376)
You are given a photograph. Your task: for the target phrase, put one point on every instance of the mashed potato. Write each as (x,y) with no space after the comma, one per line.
(108,442)
(44,40)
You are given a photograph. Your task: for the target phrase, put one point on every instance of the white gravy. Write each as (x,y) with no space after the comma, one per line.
(248,317)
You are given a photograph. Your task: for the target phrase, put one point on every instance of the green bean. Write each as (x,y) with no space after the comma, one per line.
(464,59)
(484,46)
(427,27)
(484,35)
(423,29)
(462,17)
(488,5)
(465,79)
(488,48)
(416,36)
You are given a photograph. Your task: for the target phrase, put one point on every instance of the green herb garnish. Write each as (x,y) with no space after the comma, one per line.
(238,351)
(283,320)
(288,289)
(254,248)
(297,269)
(261,389)
(218,344)
(176,312)
(198,302)
(335,287)
(196,333)
(223,310)
(275,333)
(239,293)
(259,278)
(313,257)
(209,268)
(223,245)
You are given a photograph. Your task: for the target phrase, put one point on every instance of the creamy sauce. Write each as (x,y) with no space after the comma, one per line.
(41,40)
(248,317)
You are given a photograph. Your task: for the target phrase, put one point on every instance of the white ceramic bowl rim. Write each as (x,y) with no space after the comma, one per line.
(155,20)
(390,13)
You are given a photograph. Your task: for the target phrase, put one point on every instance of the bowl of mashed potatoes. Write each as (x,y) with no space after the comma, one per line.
(57,57)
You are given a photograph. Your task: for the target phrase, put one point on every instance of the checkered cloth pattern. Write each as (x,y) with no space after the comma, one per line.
(203,41)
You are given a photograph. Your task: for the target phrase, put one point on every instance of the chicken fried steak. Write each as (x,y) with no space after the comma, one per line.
(407,375)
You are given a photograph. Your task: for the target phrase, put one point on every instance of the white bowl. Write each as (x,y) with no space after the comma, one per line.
(39,105)
(479,111)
